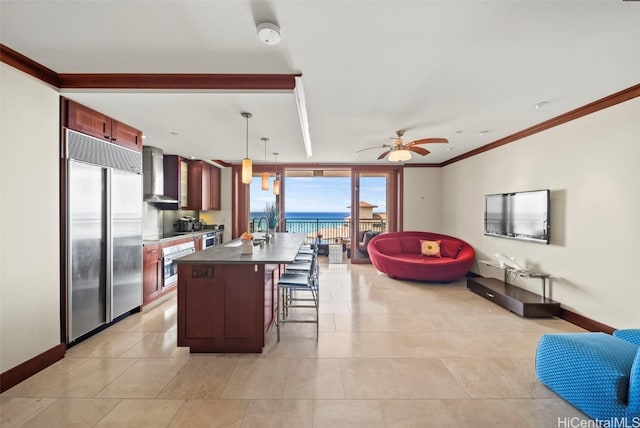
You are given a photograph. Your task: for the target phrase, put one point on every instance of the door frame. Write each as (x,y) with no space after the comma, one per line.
(395,202)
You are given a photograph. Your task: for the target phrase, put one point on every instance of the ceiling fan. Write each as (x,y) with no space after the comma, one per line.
(401,152)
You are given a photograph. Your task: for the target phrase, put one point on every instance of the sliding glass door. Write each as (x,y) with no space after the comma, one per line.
(347,205)
(374,208)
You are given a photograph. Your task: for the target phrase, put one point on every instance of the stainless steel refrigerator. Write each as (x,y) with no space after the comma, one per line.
(104,233)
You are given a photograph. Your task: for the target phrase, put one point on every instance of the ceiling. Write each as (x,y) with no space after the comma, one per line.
(435,68)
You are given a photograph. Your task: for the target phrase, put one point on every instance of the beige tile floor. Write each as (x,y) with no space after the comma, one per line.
(390,354)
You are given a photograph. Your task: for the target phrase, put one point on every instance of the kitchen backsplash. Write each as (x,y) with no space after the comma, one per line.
(157,222)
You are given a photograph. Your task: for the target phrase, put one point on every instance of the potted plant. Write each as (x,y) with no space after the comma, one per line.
(272,213)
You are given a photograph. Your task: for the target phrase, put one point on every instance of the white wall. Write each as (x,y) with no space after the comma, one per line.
(422,199)
(29,215)
(591,167)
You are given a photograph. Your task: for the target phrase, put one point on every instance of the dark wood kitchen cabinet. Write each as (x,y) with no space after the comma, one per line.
(176,179)
(204,186)
(197,242)
(226,307)
(152,270)
(215,188)
(83,119)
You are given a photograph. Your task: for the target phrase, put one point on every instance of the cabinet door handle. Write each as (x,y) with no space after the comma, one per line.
(490,295)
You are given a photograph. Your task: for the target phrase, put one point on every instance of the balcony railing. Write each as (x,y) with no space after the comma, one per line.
(329,229)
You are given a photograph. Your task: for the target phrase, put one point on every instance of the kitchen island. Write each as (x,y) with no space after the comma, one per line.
(228,301)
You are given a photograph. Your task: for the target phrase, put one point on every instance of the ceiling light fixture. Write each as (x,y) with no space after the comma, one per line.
(541,104)
(276,182)
(399,155)
(301,102)
(247,166)
(269,33)
(265,174)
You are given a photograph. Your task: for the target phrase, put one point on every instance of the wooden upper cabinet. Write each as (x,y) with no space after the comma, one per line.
(215,189)
(176,179)
(91,122)
(204,186)
(125,135)
(88,121)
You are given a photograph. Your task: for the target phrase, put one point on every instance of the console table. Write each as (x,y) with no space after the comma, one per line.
(516,299)
(525,273)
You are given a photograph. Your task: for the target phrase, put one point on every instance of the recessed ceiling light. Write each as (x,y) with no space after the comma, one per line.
(459,131)
(448,149)
(542,104)
(269,33)
(174,133)
(483,132)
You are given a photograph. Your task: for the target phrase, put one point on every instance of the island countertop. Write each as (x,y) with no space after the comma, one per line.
(282,248)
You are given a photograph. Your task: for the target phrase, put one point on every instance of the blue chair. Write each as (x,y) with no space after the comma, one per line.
(596,373)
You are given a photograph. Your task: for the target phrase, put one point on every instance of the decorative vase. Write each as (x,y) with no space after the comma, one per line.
(246,247)
(270,233)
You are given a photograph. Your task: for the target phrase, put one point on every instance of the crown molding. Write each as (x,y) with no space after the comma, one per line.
(17,60)
(284,82)
(270,82)
(601,104)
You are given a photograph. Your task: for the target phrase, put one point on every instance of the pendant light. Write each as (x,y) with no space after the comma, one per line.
(276,182)
(247,167)
(265,174)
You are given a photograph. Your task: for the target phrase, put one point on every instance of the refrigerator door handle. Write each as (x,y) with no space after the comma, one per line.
(109,246)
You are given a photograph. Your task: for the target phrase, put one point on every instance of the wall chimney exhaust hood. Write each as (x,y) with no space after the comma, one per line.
(153,179)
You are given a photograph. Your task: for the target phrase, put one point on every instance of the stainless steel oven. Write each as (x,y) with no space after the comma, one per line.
(169,255)
(209,240)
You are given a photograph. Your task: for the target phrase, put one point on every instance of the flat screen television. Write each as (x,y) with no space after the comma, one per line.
(519,215)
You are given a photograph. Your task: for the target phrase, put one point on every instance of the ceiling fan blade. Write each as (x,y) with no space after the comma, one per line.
(418,150)
(428,140)
(384,154)
(373,147)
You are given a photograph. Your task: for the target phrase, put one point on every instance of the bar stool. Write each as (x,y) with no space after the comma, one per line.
(299,267)
(304,257)
(293,282)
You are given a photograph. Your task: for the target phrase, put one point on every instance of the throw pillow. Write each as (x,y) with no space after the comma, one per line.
(430,248)
(450,248)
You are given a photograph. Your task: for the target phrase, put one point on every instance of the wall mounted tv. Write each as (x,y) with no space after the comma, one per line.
(519,215)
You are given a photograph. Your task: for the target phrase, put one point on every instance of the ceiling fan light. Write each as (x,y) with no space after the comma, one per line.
(399,155)
(265,181)
(247,170)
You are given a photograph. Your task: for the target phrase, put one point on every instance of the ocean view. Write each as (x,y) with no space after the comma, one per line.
(306,216)
(329,224)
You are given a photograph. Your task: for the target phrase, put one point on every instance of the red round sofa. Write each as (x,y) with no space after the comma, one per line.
(398,255)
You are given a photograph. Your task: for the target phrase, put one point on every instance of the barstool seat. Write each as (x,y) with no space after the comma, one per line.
(294,281)
(304,257)
(299,267)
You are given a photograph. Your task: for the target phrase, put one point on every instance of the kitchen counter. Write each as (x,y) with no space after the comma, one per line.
(282,249)
(177,235)
(228,301)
